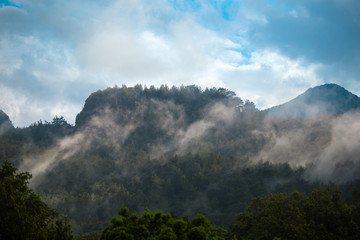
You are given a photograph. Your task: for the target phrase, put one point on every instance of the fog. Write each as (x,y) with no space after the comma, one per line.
(104,129)
(339,161)
(101,128)
(189,138)
(156,154)
(328,147)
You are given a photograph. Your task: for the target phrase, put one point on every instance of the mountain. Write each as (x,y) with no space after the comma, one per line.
(5,123)
(126,101)
(324,100)
(184,150)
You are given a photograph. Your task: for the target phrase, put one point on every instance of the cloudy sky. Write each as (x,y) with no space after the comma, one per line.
(54,53)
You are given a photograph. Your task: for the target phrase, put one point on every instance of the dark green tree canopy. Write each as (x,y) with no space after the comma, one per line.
(23,214)
(192,98)
(158,226)
(323,214)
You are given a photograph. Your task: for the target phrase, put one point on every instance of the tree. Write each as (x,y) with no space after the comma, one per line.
(159,226)
(320,215)
(59,121)
(23,214)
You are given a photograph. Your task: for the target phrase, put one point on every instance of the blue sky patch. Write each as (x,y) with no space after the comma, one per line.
(8,3)
(185,5)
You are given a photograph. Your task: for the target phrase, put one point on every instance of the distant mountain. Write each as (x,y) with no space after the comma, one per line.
(324,100)
(5,123)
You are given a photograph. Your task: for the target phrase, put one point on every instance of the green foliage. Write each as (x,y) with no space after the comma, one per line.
(191,98)
(10,149)
(320,215)
(197,233)
(23,214)
(45,134)
(124,212)
(159,226)
(200,221)
(39,135)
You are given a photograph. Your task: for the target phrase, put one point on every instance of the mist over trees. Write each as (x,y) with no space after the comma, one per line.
(185,150)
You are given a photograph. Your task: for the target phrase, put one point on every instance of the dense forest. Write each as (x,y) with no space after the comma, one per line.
(322,214)
(188,151)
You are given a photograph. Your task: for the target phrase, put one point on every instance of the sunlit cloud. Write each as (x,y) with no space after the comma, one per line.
(54,54)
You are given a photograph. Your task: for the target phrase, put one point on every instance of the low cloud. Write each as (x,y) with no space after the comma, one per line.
(328,148)
(190,138)
(101,130)
(104,130)
(340,159)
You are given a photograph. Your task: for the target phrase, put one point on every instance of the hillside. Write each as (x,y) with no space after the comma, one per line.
(132,99)
(185,150)
(324,100)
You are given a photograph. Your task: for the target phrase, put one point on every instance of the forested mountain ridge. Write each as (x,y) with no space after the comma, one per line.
(150,117)
(191,98)
(324,100)
(183,149)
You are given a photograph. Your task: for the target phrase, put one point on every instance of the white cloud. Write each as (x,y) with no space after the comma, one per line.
(287,69)
(10,102)
(182,52)
(23,111)
(9,61)
(270,78)
(59,54)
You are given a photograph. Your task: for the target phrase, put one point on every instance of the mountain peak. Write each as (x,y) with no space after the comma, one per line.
(5,123)
(324,100)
